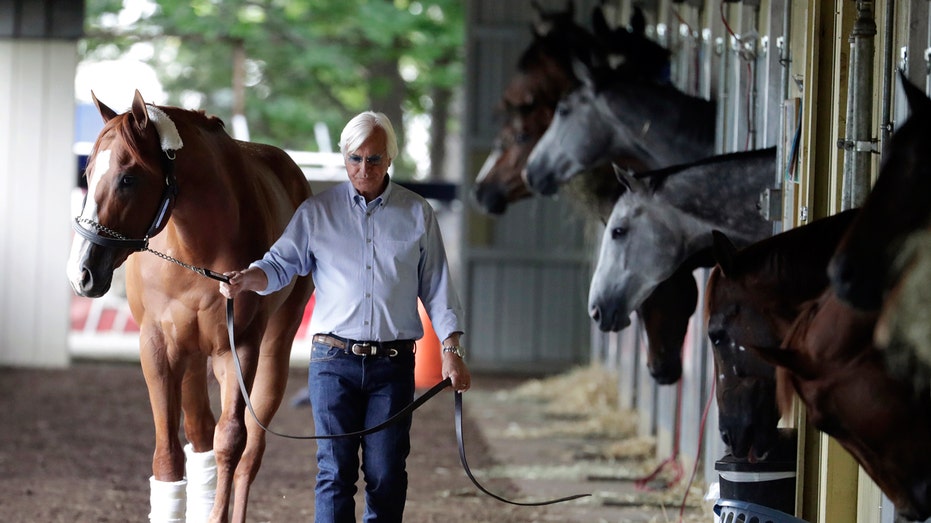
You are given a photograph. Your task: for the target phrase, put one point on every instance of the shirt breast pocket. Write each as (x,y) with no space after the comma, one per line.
(399,258)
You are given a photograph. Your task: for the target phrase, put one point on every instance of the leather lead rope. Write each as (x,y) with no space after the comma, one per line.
(468,471)
(409,409)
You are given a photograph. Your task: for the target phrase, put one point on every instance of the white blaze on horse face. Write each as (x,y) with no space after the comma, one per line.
(101,166)
(79,244)
(489,165)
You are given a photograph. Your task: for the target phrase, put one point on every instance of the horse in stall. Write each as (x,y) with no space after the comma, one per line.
(615,113)
(544,75)
(829,356)
(665,217)
(829,359)
(752,296)
(882,263)
(217,202)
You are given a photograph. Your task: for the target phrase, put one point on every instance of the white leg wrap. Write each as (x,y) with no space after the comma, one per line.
(201,468)
(167,501)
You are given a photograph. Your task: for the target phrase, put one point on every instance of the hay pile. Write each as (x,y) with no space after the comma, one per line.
(581,402)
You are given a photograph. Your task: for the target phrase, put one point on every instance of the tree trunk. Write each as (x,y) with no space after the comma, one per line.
(439,115)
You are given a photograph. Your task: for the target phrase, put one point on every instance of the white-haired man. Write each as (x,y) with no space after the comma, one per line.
(373,248)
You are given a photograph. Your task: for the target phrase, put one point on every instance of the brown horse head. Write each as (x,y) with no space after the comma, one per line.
(130,194)
(829,359)
(543,75)
(751,299)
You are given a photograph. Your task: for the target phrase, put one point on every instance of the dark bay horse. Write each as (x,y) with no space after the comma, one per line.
(752,297)
(897,205)
(543,75)
(667,216)
(614,113)
(217,203)
(882,263)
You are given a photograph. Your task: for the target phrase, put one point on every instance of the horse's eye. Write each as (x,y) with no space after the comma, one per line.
(717,337)
(562,109)
(521,138)
(618,232)
(127,180)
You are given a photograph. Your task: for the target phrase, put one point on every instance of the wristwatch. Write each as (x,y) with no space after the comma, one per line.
(458,350)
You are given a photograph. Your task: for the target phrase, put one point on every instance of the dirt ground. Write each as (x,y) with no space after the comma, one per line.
(76,444)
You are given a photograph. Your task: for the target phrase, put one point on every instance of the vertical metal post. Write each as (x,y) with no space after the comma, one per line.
(859,146)
(887,72)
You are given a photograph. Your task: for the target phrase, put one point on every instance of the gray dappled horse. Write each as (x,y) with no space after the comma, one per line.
(667,216)
(613,113)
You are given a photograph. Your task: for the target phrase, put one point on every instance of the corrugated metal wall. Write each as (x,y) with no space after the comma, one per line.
(38,58)
(527,271)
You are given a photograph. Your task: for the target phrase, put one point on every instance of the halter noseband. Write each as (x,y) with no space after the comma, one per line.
(118,241)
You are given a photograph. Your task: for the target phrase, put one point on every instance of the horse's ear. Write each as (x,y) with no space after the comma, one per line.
(918,101)
(583,72)
(139,111)
(724,252)
(627,178)
(600,26)
(638,22)
(105,112)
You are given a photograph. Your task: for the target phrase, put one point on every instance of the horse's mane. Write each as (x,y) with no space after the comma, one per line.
(634,81)
(594,192)
(799,255)
(657,177)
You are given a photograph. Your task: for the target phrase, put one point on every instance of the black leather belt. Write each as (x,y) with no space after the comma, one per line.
(365,348)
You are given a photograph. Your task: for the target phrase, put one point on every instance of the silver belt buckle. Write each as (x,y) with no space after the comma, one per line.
(368,349)
(364,349)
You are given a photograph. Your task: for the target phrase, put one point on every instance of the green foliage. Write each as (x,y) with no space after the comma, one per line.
(306,61)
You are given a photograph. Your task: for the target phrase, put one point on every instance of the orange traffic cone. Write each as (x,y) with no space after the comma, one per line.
(428,364)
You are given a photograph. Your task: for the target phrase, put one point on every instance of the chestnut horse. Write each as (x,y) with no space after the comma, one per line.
(218,203)
(752,296)
(828,357)
(897,205)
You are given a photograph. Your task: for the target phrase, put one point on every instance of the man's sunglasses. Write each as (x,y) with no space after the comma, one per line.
(373,160)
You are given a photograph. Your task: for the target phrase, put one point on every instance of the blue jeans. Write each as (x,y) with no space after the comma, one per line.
(350,393)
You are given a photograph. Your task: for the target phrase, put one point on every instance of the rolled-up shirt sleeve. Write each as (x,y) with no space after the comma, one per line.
(291,254)
(436,287)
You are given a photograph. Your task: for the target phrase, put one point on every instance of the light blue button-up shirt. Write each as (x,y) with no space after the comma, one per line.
(370,263)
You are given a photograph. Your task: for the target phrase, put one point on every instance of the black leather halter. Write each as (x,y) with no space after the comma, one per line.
(114,239)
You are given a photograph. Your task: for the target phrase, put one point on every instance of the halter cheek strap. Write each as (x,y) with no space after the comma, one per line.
(170,141)
(115,240)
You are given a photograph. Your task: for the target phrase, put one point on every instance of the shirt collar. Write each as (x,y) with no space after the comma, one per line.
(359,200)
